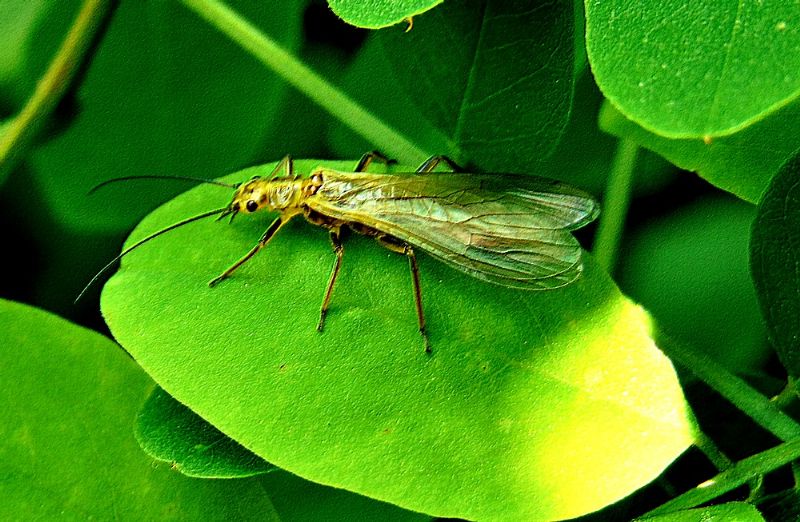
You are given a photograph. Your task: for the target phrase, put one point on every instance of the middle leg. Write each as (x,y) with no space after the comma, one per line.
(338,249)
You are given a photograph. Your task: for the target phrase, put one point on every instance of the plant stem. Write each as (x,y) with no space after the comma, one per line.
(732,478)
(52,86)
(711,451)
(738,392)
(615,205)
(336,102)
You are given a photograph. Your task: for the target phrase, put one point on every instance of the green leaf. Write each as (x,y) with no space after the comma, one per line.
(496,78)
(695,70)
(68,449)
(177,430)
(19,59)
(165,94)
(774,258)
(375,14)
(526,394)
(169,431)
(742,163)
(298,500)
(690,270)
(738,511)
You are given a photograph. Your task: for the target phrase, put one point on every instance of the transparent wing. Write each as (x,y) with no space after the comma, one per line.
(511,230)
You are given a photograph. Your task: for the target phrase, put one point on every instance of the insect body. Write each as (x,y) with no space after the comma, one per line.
(512,230)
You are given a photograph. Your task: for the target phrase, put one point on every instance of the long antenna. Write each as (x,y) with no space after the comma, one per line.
(145,240)
(155,176)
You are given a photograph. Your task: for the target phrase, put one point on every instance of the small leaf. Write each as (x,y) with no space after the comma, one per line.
(496,78)
(738,511)
(742,163)
(169,431)
(526,394)
(695,69)
(68,449)
(774,258)
(375,14)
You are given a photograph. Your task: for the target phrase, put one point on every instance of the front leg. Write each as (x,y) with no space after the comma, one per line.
(268,234)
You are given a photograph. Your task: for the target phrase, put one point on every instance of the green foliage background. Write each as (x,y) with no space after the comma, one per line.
(226,403)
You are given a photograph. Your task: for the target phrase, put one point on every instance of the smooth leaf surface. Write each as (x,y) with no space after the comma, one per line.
(774,258)
(690,269)
(525,395)
(695,69)
(17,19)
(496,78)
(165,94)
(742,163)
(298,500)
(68,451)
(374,14)
(738,511)
(293,497)
(169,431)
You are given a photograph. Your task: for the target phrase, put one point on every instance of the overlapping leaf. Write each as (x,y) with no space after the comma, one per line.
(68,450)
(695,69)
(774,258)
(375,14)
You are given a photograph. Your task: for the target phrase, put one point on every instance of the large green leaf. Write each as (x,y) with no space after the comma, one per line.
(695,69)
(774,258)
(526,395)
(375,14)
(742,163)
(69,401)
(496,78)
(165,94)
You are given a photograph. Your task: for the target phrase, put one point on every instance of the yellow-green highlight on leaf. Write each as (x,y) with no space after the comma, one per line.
(695,69)
(732,511)
(525,396)
(69,401)
(169,431)
(742,163)
(375,14)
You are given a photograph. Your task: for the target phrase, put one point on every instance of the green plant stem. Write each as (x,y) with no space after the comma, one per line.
(52,86)
(738,392)
(738,474)
(711,451)
(615,205)
(337,103)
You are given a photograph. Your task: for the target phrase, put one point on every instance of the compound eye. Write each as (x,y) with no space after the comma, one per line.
(251,206)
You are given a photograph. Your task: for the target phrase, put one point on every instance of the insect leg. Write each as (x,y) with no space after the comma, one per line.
(412,263)
(285,167)
(395,245)
(274,227)
(338,249)
(432,162)
(368,158)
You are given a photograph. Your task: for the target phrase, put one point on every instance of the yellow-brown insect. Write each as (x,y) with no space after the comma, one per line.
(512,230)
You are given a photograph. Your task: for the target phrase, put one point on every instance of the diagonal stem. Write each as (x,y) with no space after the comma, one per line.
(66,64)
(336,102)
